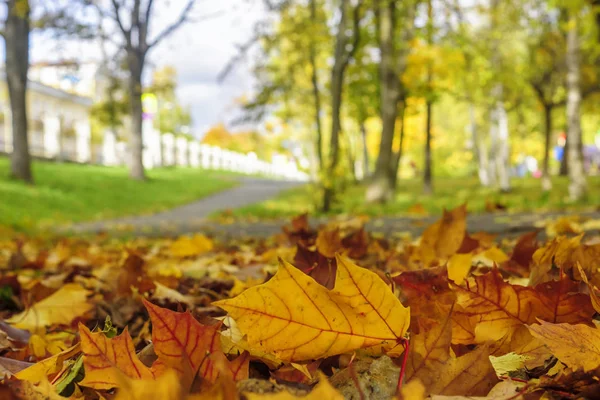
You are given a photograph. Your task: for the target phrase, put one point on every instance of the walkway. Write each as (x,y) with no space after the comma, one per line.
(191,217)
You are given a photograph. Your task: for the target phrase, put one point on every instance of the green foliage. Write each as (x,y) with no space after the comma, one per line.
(172,117)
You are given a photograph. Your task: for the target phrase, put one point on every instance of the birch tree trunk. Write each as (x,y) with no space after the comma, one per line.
(577,179)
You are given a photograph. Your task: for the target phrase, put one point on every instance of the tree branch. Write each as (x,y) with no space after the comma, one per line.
(117,17)
(173,27)
(148,11)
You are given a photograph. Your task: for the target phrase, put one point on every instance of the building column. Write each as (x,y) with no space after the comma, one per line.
(83,141)
(51,140)
(168,154)
(182,151)
(194,154)
(109,148)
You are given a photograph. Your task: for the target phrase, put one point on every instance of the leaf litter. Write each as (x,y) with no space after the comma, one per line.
(327,312)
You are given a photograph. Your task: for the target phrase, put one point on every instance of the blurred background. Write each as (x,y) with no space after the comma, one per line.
(117,108)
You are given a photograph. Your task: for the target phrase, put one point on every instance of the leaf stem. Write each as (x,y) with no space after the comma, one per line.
(406,345)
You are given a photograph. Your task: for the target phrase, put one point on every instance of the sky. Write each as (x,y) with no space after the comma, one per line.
(199,51)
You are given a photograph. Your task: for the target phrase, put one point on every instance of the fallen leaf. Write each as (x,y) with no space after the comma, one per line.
(165,387)
(593,296)
(187,246)
(578,346)
(297,319)
(329,242)
(105,360)
(443,238)
(52,365)
(183,344)
(497,307)
(459,266)
(431,361)
(60,308)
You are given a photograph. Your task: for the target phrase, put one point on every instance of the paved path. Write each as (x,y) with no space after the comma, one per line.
(193,216)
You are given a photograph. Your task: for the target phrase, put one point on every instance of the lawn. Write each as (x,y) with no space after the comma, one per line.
(526,195)
(65,193)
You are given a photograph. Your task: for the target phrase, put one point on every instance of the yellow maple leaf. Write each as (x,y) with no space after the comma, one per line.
(60,308)
(578,346)
(295,318)
(191,246)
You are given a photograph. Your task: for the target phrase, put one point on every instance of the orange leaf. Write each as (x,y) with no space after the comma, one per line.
(563,303)
(431,361)
(106,359)
(496,307)
(184,344)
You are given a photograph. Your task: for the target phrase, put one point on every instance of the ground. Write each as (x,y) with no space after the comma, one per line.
(66,193)
(526,196)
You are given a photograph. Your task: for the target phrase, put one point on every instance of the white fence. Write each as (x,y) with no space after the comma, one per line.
(159,151)
(166,150)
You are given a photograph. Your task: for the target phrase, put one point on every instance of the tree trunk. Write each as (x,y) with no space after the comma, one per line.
(546,181)
(427,183)
(337,81)
(381,188)
(363,135)
(564,162)
(503,154)
(577,179)
(479,149)
(398,156)
(314,78)
(136,145)
(17,65)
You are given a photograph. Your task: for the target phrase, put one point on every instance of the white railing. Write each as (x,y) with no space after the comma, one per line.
(159,151)
(167,150)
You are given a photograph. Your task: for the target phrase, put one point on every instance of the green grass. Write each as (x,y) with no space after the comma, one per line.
(65,193)
(526,195)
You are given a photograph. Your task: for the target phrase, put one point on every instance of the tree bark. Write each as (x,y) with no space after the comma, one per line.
(314,78)
(577,179)
(341,58)
(381,188)
(365,148)
(136,146)
(17,30)
(479,148)
(427,183)
(398,156)
(546,181)
(503,151)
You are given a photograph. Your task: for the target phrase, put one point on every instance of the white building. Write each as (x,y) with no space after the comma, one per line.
(59,121)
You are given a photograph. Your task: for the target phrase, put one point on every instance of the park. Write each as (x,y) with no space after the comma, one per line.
(300,199)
